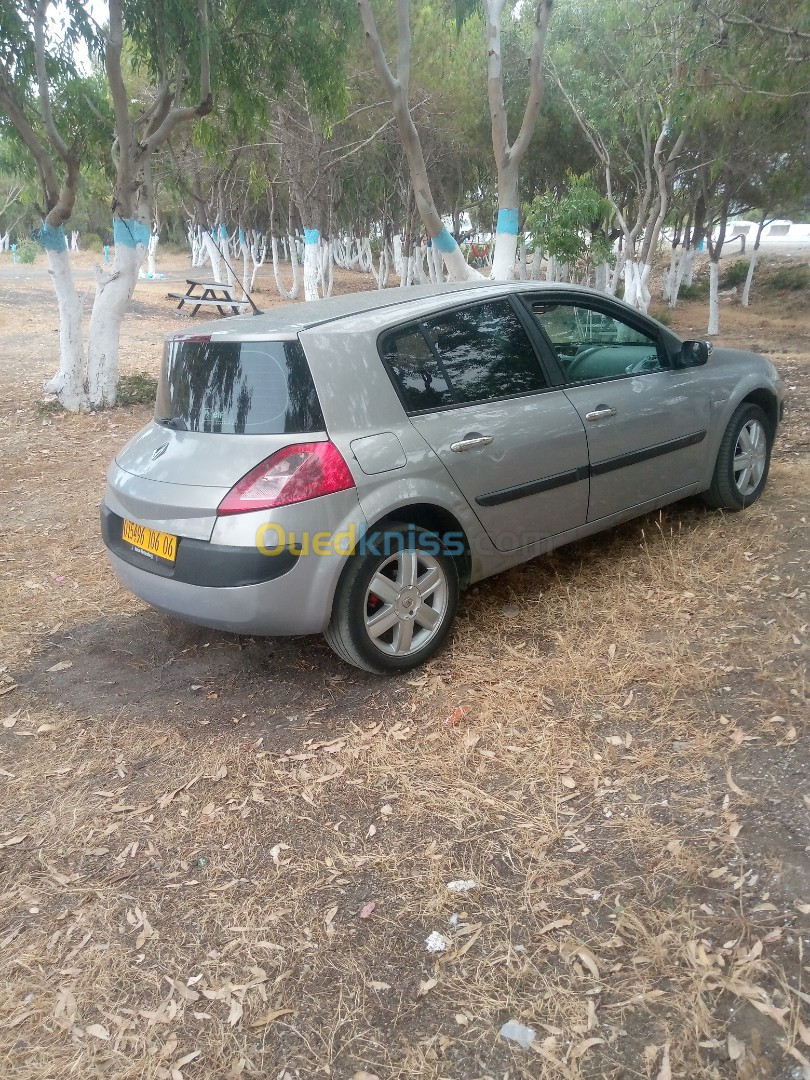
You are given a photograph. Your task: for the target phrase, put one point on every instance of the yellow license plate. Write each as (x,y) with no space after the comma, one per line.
(160,545)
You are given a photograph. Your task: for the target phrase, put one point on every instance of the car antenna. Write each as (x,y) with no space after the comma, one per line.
(256,311)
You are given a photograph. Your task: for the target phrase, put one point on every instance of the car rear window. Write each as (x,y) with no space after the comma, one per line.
(237,388)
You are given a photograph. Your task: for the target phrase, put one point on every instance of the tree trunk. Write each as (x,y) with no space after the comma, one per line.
(114,289)
(312,238)
(209,244)
(68,383)
(714,306)
(283,292)
(506,235)
(749,277)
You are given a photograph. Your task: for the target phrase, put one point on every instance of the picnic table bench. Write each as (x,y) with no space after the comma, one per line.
(216,294)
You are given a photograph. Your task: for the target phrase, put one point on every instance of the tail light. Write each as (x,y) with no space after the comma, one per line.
(298,472)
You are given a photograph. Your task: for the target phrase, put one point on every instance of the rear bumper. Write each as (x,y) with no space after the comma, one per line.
(279,608)
(198,562)
(231,584)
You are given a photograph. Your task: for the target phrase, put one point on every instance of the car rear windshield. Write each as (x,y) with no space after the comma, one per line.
(237,388)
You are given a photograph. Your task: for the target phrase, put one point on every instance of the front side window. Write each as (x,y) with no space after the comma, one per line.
(237,388)
(591,345)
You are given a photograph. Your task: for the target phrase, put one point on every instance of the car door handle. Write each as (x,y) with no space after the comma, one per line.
(472,442)
(601,412)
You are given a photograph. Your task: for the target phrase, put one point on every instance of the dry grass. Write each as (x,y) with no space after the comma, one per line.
(170,889)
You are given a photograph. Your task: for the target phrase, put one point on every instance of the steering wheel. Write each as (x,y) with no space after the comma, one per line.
(645,366)
(581,356)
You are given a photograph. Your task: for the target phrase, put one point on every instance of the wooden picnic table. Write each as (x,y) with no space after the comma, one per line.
(216,294)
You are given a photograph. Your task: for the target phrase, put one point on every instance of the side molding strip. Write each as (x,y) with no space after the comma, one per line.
(573,476)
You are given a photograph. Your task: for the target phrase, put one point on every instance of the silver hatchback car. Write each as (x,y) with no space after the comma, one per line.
(347,466)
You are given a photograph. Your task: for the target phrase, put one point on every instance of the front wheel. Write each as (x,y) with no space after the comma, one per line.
(743,460)
(395,602)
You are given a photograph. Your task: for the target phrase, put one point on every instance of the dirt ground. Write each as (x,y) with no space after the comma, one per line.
(222,857)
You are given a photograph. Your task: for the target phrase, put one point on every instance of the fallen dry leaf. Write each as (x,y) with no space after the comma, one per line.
(98,1031)
(269,1017)
(63,665)
(367,909)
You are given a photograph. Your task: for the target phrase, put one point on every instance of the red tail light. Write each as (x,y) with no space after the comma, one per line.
(298,472)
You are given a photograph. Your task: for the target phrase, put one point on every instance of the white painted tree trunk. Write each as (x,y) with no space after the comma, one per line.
(224,245)
(503,259)
(679,276)
(537,260)
(714,304)
(210,247)
(74,240)
(398,256)
(258,253)
(292,292)
(114,289)
(5,241)
(551,268)
(151,253)
(311,263)
(643,298)
(749,277)
(689,266)
(325,268)
(68,383)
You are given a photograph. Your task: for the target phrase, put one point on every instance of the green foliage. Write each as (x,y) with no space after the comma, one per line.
(571,225)
(27,252)
(139,389)
(789,279)
(698,290)
(734,274)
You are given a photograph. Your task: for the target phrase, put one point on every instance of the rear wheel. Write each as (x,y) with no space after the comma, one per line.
(395,602)
(743,460)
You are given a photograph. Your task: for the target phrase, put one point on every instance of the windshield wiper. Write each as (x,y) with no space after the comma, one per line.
(176,422)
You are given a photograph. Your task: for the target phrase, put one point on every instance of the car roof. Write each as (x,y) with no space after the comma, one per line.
(288,320)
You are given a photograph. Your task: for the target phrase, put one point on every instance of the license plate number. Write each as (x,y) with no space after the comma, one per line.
(159,545)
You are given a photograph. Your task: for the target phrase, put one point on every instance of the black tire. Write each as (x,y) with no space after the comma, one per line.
(412,552)
(734,490)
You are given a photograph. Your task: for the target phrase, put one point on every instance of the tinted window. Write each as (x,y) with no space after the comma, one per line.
(590,345)
(484,353)
(238,387)
(416,370)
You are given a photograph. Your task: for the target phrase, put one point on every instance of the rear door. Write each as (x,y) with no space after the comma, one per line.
(645,422)
(475,390)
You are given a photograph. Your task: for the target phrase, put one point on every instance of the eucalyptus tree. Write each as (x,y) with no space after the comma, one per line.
(398,87)
(509,155)
(185,50)
(631,101)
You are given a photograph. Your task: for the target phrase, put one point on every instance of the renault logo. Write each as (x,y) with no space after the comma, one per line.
(160,451)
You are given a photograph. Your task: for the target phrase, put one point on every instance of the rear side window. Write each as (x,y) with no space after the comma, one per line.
(237,388)
(416,370)
(478,353)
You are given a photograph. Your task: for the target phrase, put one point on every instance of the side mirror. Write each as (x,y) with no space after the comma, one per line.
(694,353)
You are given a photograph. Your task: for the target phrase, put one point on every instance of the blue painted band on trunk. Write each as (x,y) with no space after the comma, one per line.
(223,231)
(53,237)
(129,233)
(508,222)
(444,241)
(241,235)
(312,236)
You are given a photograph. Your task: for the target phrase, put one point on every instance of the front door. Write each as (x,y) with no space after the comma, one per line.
(516,448)
(645,422)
